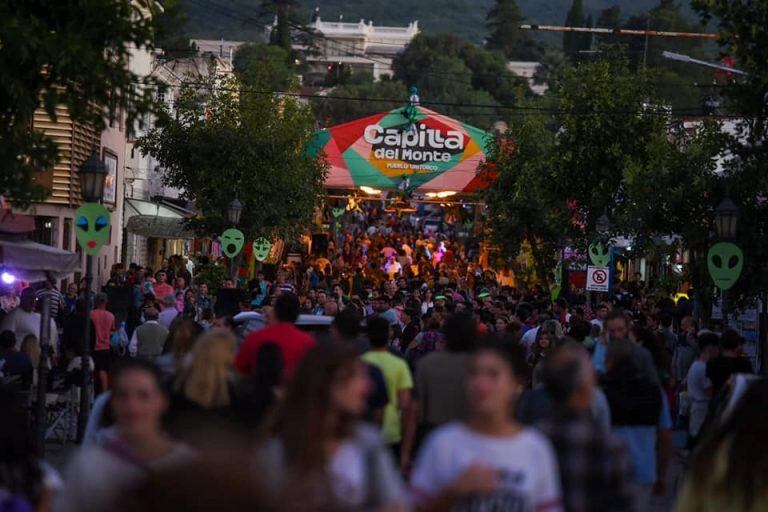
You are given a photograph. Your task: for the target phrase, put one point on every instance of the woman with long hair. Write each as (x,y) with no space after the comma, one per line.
(541,347)
(204,389)
(319,454)
(489,461)
(181,339)
(730,469)
(136,445)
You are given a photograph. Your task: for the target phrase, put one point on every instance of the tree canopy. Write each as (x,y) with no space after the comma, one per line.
(71,54)
(227,141)
(506,36)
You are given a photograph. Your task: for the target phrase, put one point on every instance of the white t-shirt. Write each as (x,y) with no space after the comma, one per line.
(23,323)
(529,338)
(697,382)
(530,477)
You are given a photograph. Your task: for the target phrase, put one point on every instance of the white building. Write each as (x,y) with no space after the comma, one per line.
(361,46)
(154,211)
(526,69)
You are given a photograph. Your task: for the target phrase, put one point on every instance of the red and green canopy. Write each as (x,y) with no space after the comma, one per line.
(436,153)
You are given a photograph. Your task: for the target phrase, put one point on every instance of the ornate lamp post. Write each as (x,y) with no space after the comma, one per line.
(234,211)
(93,174)
(725,259)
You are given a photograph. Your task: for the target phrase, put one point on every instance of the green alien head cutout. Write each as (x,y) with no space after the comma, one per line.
(337,212)
(261,247)
(92,227)
(599,254)
(232,241)
(725,262)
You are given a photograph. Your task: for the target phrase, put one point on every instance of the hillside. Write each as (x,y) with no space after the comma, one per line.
(239,19)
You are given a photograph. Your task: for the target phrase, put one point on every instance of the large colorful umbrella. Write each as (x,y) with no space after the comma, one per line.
(431,151)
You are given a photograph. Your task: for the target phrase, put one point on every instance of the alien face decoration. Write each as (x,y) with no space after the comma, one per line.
(337,212)
(725,262)
(599,254)
(92,227)
(261,247)
(232,241)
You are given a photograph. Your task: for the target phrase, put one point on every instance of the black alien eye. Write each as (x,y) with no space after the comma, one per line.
(733,261)
(717,260)
(101,223)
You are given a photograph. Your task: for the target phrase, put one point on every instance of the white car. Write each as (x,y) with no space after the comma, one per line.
(249,321)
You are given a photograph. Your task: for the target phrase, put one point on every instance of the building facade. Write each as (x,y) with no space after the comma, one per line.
(361,46)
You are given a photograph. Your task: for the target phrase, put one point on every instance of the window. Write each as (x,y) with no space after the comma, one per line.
(66,243)
(45,230)
(161,96)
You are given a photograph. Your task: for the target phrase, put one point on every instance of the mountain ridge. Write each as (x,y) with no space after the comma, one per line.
(243,19)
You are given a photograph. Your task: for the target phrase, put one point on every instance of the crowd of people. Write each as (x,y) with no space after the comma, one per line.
(437,387)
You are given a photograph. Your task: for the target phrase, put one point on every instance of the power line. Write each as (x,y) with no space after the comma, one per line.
(687,111)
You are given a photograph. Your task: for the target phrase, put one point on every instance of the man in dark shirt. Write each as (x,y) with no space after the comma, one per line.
(594,465)
(15,367)
(730,361)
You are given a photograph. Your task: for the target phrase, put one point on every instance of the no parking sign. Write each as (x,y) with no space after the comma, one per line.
(598,279)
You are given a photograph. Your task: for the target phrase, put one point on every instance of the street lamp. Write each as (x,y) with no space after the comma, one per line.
(93,174)
(725,259)
(603,224)
(726,218)
(234,211)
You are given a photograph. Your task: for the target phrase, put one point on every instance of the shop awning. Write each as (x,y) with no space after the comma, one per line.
(434,153)
(156,220)
(30,261)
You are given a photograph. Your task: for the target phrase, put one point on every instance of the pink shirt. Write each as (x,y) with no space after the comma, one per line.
(161,290)
(104,323)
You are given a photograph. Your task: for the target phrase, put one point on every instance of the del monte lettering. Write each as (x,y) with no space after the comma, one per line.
(420,145)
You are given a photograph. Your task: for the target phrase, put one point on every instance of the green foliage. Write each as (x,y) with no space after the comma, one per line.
(449,69)
(266,66)
(211,274)
(227,140)
(574,42)
(506,36)
(57,53)
(743,28)
(605,135)
(609,149)
(170,28)
(379,97)
(522,204)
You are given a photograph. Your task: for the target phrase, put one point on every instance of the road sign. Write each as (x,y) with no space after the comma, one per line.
(598,279)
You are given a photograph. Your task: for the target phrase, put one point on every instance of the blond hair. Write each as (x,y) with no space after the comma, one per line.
(30,345)
(207,379)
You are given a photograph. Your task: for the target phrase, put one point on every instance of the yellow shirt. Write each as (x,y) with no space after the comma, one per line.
(397,376)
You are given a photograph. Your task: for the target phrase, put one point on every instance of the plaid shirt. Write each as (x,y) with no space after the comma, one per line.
(595,469)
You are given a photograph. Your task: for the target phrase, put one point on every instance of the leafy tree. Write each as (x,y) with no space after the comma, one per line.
(267,66)
(743,28)
(609,149)
(609,18)
(366,99)
(506,36)
(286,13)
(244,143)
(170,30)
(573,42)
(523,206)
(451,69)
(71,54)
(675,81)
